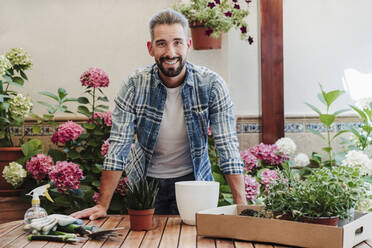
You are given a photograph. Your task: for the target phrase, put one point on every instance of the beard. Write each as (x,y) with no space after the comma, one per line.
(171,72)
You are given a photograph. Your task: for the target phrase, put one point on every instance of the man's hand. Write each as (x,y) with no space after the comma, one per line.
(92,213)
(236,183)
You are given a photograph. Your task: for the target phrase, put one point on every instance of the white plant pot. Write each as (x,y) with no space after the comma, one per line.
(194,196)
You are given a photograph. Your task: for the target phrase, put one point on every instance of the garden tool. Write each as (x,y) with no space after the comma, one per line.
(105,233)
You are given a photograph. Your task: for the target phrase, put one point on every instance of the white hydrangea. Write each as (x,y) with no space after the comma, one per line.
(20,105)
(301,160)
(14,174)
(19,57)
(286,146)
(4,64)
(358,159)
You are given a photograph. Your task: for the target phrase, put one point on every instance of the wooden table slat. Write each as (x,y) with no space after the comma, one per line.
(11,236)
(117,241)
(204,242)
(153,237)
(260,245)
(243,244)
(7,227)
(187,236)
(134,239)
(224,243)
(171,233)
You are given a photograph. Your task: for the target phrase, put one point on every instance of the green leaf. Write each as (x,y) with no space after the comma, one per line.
(104,99)
(62,93)
(73,154)
(36,129)
(103,107)
(49,94)
(18,80)
(341,132)
(69,99)
(32,147)
(360,112)
(331,96)
(63,201)
(340,111)
(4,106)
(96,183)
(313,108)
(57,155)
(89,126)
(368,129)
(327,149)
(92,142)
(316,132)
(83,100)
(327,119)
(23,75)
(83,110)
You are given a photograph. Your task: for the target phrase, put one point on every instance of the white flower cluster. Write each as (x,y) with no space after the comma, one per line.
(19,57)
(4,64)
(286,146)
(14,174)
(301,160)
(358,159)
(19,106)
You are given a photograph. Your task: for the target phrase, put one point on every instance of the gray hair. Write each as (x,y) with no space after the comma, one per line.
(168,16)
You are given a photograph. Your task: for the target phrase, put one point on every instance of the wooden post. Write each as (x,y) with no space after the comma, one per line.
(272,70)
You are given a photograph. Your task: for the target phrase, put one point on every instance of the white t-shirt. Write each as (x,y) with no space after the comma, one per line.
(172,157)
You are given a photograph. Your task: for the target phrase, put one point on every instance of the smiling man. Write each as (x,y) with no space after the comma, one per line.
(170,105)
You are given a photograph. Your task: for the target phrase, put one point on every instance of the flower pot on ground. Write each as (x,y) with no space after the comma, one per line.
(141,200)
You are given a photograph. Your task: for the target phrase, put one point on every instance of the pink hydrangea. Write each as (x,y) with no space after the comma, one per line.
(105,116)
(122,187)
(210,133)
(252,187)
(250,161)
(94,77)
(268,176)
(39,165)
(105,147)
(96,197)
(66,175)
(267,153)
(67,131)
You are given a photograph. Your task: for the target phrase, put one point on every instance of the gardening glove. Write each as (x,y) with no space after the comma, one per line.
(64,220)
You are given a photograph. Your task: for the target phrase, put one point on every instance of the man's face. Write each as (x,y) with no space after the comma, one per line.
(169,48)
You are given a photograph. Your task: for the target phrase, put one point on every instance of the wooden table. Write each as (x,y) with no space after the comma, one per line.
(168,232)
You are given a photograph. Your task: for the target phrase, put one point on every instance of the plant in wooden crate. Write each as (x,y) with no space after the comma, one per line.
(208,18)
(141,200)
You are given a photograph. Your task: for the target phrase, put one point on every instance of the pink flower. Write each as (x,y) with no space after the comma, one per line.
(122,187)
(252,187)
(268,176)
(250,161)
(94,77)
(66,175)
(96,197)
(105,116)
(210,133)
(105,147)
(267,153)
(39,165)
(67,131)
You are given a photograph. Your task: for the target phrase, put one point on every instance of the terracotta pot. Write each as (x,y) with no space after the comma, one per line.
(330,221)
(7,155)
(201,41)
(141,220)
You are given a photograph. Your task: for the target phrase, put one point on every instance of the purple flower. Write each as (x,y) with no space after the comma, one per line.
(105,116)
(243,29)
(268,176)
(104,148)
(248,1)
(228,14)
(217,1)
(267,153)
(236,6)
(211,5)
(39,166)
(250,40)
(235,1)
(209,31)
(67,131)
(66,175)
(252,187)
(94,77)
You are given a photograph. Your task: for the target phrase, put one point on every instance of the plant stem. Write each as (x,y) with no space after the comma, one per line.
(329,146)
(8,136)
(94,100)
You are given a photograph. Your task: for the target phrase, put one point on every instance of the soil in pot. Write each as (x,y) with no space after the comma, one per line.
(141,220)
(329,221)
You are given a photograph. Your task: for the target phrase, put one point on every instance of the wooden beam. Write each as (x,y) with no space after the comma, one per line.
(272,90)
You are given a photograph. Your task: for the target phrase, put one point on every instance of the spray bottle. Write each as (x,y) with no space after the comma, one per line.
(36,211)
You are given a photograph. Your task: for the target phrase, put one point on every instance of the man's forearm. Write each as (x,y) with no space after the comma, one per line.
(236,183)
(109,182)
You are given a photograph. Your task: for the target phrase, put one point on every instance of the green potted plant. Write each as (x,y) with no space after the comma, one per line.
(324,197)
(141,200)
(208,19)
(14,106)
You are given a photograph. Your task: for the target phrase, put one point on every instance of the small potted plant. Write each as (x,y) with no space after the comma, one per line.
(208,19)
(141,200)
(324,197)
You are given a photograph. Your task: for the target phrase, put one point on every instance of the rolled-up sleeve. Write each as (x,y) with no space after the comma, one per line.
(222,122)
(122,130)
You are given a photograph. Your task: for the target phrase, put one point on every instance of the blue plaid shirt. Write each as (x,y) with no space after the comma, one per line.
(139,108)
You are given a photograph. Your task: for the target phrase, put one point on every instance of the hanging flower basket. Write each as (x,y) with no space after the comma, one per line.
(200,39)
